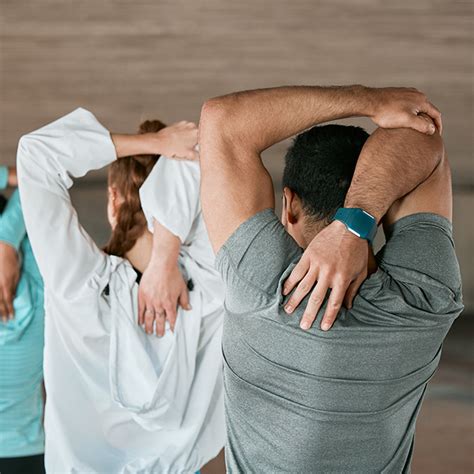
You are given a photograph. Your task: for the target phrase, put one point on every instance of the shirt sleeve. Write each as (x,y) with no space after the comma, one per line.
(170,195)
(3,177)
(47,160)
(419,275)
(253,261)
(12,225)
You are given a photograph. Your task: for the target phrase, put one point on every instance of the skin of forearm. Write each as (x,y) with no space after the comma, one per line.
(166,247)
(392,163)
(130,145)
(264,117)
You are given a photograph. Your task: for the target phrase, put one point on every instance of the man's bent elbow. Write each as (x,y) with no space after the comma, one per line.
(214,113)
(428,149)
(216,127)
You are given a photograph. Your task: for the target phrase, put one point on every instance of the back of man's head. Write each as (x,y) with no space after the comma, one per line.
(319,167)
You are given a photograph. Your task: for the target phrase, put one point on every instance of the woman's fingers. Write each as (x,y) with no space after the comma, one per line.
(6,303)
(160,319)
(183,300)
(9,296)
(3,309)
(170,315)
(149,320)
(141,309)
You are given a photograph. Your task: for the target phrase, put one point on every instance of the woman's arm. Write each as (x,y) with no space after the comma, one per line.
(162,287)
(12,233)
(170,201)
(178,141)
(47,161)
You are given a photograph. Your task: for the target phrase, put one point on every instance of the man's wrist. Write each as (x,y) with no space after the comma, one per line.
(355,199)
(364,98)
(358,221)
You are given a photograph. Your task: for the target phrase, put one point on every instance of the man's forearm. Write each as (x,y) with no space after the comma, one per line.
(261,118)
(391,164)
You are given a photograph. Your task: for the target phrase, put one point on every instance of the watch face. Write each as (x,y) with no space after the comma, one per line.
(358,221)
(367,214)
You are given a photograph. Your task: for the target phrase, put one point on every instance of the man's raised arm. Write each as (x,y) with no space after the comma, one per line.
(236,128)
(392,163)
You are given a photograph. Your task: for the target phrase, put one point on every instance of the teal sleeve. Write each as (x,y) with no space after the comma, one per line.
(12,225)
(3,177)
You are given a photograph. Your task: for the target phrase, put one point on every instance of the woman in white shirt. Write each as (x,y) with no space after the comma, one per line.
(119,400)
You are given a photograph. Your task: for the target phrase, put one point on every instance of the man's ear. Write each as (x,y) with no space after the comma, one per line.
(292,206)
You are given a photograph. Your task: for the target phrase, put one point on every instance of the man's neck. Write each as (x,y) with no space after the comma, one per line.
(139,255)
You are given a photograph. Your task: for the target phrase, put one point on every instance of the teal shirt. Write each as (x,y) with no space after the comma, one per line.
(21,345)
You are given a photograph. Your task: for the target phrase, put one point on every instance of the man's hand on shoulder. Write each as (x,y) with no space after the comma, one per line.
(337,260)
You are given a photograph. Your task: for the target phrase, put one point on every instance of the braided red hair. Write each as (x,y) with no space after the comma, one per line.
(127,175)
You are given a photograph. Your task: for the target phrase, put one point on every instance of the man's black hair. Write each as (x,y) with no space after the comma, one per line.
(319,167)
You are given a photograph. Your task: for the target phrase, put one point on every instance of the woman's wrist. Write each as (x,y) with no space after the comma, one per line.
(130,145)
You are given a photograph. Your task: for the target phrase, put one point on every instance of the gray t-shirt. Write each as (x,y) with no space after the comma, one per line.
(340,401)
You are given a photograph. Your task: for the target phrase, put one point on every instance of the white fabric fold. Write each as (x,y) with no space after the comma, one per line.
(157,394)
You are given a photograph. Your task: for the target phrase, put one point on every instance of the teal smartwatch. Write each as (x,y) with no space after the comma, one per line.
(358,222)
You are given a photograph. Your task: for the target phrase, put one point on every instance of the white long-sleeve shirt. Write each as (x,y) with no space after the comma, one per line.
(118,400)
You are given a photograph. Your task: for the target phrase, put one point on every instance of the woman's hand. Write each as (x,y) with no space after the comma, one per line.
(162,289)
(9,277)
(176,141)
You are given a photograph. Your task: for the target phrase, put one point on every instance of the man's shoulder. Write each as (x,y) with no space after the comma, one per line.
(254,258)
(261,237)
(418,280)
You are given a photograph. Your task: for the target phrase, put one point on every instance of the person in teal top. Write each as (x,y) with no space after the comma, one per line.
(21,342)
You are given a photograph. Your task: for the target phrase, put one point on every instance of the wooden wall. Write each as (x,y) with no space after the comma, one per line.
(127,60)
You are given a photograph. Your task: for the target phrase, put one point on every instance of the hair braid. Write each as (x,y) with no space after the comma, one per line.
(127,175)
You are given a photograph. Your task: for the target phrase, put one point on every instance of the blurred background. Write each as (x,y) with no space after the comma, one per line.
(129,60)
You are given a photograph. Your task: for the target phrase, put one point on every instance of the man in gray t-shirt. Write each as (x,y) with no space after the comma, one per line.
(302,399)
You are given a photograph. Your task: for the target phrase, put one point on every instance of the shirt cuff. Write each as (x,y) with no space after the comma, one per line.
(3,177)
